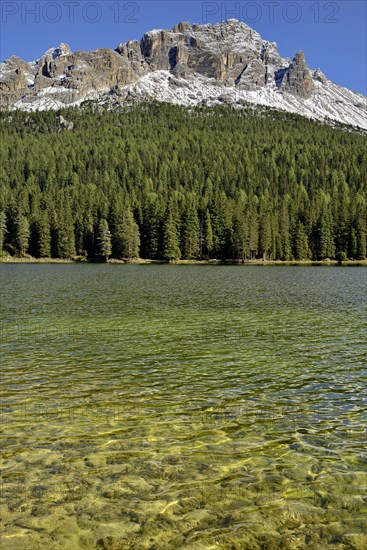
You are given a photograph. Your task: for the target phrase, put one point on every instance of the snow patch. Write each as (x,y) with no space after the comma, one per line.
(53,90)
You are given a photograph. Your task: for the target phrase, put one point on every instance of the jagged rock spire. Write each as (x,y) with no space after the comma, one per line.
(298,80)
(190,64)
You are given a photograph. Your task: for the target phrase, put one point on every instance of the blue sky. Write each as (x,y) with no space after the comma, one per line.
(331,33)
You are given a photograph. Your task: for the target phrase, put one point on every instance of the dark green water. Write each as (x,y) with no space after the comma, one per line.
(199,407)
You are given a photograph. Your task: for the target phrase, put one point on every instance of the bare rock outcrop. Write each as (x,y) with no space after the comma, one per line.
(190,64)
(298,80)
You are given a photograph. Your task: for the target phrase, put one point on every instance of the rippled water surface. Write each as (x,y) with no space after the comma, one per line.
(198,407)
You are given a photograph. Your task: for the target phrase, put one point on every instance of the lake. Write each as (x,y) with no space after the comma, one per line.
(199,407)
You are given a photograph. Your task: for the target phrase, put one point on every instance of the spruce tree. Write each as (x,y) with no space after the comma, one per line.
(361,244)
(150,229)
(324,245)
(323,232)
(104,239)
(171,248)
(22,234)
(207,235)
(40,236)
(285,247)
(190,237)
(361,228)
(3,230)
(265,241)
(127,236)
(301,247)
(241,247)
(253,231)
(282,169)
(44,236)
(65,234)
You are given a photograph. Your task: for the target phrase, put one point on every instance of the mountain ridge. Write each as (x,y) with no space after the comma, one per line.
(227,62)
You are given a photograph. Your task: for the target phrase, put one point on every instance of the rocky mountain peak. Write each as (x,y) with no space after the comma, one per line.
(229,52)
(190,64)
(297,79)
(183,26)
(62,49)
(300,59)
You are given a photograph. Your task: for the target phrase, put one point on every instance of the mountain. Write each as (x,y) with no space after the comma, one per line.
(190,65)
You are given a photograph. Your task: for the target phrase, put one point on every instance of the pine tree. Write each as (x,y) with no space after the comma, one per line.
(361,240)
(190,237)
(104,239)
(84,234)
(283,170)
(241,247)
(341,204)
(3,230)
(361,245)
(323,235)
(114,223)
(150,229)
(285,248)
(65,233)
(278,248)
(324,246)
(361,228)
(171,248)
(353,244)
(40,239)
(253,231)
(301,247)
(222,226)
(44,236)
(127,237)
(207,235)
(22,234)
(265,241)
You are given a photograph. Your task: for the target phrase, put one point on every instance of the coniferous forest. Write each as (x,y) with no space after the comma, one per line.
(158,181)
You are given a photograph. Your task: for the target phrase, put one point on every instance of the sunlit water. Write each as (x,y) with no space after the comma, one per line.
(199,407)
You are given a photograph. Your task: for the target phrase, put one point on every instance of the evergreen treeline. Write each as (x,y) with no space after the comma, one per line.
(160,181)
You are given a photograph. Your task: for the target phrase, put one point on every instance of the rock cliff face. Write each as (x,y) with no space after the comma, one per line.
(13,76)
(191,64)
(230,53)
(298,80)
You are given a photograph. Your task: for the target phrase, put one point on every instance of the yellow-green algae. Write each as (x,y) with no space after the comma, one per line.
(159,407)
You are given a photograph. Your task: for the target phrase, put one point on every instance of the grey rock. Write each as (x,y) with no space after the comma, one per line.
(190,61)
(65,123)
(14,71)
(229,52)
(253,76)
(297,80)
(319,76)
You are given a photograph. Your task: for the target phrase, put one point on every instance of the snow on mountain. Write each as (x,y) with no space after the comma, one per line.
(62,49)
(190,65)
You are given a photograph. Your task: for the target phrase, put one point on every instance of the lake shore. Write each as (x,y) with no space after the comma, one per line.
(141,261)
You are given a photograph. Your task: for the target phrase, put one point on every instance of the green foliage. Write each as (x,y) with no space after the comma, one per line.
(207,235)
(22,234)
(40,245)
(127,236)
(191,233)
(169,182)
(3,230)
(171,249)
(301,247)
(64,231)
(104,239)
